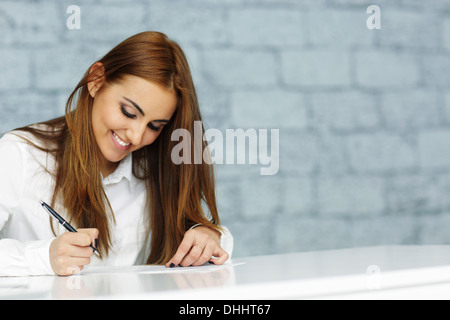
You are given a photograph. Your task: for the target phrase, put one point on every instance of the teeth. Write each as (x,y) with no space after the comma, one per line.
(123,144)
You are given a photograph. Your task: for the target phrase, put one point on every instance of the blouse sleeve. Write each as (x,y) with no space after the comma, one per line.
(12,173)
(227,241)
(17,258)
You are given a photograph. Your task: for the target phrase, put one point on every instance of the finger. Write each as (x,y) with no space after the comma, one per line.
(201,251)
(81,239)
(79,251)
(93,234)
(80,262)
(206,254)
(70,270)
(183,249)
(194,254)
(220,256)
(72,266)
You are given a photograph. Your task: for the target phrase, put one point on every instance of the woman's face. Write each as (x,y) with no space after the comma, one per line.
(129,115)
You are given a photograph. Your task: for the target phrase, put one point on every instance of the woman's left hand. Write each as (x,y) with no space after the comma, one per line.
(198,246)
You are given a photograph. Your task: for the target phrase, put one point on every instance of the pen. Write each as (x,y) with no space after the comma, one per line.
(63,222)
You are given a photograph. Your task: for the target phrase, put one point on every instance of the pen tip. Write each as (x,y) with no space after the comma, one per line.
(41,202)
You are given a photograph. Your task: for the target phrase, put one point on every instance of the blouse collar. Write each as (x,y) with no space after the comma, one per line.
(124,170)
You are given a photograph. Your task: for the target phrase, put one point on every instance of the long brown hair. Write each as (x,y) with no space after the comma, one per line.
(175,193)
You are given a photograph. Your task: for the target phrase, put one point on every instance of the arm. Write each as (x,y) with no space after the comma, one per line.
(25,258)
(64,255)
(17,258)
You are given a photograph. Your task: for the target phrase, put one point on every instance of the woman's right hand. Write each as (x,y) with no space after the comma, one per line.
(71,251)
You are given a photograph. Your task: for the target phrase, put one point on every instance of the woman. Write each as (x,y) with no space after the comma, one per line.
(106,168)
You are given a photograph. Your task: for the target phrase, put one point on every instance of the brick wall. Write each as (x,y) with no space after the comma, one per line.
(364,115)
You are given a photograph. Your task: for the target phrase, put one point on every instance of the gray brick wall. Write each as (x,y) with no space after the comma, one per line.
(364,115)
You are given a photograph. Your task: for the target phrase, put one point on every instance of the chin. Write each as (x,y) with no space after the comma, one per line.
(116,159)
(112,157)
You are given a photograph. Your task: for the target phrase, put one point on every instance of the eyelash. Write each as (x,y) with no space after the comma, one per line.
(132,116)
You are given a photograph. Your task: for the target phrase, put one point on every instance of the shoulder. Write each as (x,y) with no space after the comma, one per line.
(30,134)
(19,143)
(13,140)
(14,154)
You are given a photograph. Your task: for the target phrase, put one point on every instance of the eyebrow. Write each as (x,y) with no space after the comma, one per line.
(135,105)
(142,111)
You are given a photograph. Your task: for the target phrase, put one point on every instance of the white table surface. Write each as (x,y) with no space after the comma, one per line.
(386,272)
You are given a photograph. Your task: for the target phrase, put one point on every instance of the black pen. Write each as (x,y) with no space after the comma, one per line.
(63,222)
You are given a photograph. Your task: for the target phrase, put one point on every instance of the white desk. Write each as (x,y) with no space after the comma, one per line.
(389,272)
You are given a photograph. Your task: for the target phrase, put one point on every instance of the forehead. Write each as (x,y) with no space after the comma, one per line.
(156,101)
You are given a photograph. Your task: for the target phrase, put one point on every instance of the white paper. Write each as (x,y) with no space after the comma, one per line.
(153,269)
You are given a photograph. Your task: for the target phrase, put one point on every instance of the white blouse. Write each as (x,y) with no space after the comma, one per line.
(25,231)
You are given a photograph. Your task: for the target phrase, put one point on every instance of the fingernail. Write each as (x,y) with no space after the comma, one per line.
(172,265)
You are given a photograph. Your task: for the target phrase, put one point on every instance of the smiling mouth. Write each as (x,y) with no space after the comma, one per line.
(119,141)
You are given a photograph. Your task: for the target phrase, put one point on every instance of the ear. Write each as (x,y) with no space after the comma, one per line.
(97,76)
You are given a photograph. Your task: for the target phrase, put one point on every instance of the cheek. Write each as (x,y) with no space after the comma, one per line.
(113,121)
(103,118)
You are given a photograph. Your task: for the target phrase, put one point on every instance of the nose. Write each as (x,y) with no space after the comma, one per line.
(136,133)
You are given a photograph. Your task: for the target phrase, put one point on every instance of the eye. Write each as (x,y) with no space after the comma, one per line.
(152,127)
(126,113)
(132,116)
